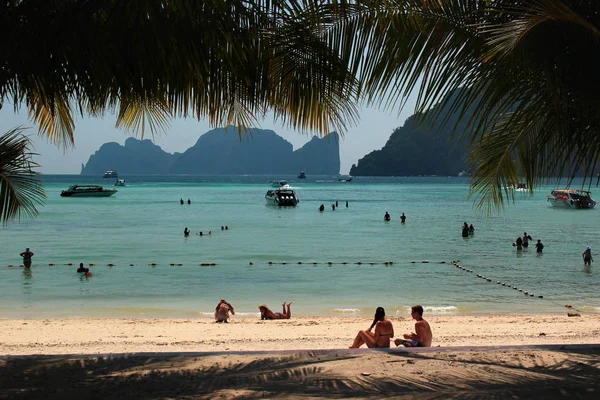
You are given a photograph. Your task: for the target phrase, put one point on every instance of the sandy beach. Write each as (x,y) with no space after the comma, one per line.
(107,335)
(516,356)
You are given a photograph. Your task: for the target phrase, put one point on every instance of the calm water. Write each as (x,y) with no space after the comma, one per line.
(143,224)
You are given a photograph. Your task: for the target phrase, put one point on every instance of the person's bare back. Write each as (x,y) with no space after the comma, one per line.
(422,337)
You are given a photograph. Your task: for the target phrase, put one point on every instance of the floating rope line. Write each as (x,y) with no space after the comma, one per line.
(515,287)
(205,263)
(346,262)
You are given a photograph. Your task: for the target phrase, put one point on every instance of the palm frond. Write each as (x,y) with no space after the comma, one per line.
(229,62)
(20,190)
(529,67)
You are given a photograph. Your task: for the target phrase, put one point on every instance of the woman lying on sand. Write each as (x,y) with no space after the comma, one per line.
(384,331)
(266,313)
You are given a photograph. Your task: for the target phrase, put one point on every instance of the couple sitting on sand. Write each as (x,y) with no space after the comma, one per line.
(384,332)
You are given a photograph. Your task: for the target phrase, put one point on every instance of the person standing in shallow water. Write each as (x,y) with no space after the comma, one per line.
(387,217)
(465,230)
(587,256)
(539,246)
(27,257)
(526,239)
(186,232)
(82,268)
(403,218)
(518,243)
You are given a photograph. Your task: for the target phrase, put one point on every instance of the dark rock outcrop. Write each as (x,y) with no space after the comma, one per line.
(418,148)
(220,151)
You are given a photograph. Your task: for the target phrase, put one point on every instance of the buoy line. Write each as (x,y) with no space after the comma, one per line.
(515,287)
(153,264)
(205,263)
(351,262)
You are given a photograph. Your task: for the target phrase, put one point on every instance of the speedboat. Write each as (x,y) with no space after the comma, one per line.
(282,196)
(277,184)
(111,173)
(519,186)
(302,175)
(571,198)
(347,179)
(120,182)
(87,191)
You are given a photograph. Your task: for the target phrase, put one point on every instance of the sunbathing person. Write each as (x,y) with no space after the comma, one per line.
(423,335)
(222,311)
(384,331)
(266,313)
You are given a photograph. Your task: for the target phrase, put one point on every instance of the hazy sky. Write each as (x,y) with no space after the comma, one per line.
(371,133)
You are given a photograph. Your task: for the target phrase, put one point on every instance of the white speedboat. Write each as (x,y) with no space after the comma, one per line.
(111,173)
(87,191)
(519,186)
(120,182)
(282,196)
(571,198)
(277,184)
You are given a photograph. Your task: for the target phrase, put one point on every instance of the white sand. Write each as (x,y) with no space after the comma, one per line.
(124,335)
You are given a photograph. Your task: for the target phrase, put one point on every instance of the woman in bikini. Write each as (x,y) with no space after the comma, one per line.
(222,311)
(266,313)
(384,331)
(27,257)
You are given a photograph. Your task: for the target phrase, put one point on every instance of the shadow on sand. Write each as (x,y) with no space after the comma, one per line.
(499,374)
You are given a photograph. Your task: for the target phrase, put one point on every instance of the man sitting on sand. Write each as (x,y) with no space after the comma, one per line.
(266,313)
(222,311)
(423,335)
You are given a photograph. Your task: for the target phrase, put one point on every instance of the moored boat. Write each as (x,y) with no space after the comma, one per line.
(345,179)
(571,198)
(277,184)
(120,182)
(302,175)
(519,186)
(111,173)
(87,191)
(282,196)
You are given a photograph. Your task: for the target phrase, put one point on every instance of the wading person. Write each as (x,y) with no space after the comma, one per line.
(27,257)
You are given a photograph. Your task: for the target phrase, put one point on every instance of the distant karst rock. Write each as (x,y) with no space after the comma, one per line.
(136,157)
(220,151)
(418,149)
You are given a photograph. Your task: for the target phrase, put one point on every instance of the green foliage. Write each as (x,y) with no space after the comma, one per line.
(531,66)
(20,191)
(149,60)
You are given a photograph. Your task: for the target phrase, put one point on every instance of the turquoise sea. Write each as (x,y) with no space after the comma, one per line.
(290,249)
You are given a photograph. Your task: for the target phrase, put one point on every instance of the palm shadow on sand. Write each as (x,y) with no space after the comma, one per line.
(563,373)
